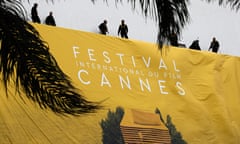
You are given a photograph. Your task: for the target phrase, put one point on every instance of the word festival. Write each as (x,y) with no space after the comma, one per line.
(127,69)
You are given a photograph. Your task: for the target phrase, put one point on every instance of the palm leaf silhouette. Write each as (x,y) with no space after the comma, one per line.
(26,57)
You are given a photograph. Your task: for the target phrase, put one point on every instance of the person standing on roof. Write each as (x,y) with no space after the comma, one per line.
(195,45)
(214,45)
(34,14)
(103,27)
(123,30)
(50,19)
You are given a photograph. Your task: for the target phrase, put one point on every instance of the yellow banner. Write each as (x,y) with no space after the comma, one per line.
(177,96)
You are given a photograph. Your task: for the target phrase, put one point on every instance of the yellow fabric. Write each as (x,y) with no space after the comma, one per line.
(199,90)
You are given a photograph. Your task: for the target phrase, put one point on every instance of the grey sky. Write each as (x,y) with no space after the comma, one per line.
(207,20)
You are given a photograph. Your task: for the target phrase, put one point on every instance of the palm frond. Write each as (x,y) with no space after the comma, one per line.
(172,17)
(25,57)
(234,4)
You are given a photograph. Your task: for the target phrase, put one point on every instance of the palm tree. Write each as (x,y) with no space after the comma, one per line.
(24,56)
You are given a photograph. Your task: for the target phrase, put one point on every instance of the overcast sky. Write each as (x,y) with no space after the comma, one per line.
(207,21)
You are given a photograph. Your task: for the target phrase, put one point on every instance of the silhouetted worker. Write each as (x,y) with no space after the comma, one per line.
(103,27)
(50,20)
(195,45)
(123,30)
(214,45)
(173,39)
(34,14)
